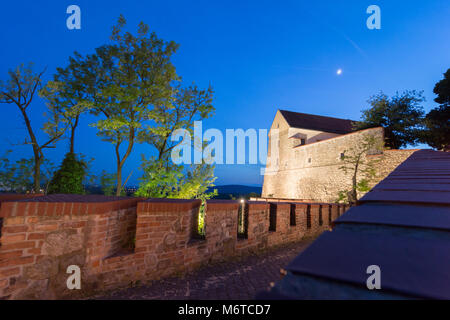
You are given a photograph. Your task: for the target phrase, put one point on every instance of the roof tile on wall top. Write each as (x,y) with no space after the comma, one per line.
(402,226)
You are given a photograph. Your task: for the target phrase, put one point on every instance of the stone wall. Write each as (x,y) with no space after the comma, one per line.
(119,241)
(311,172)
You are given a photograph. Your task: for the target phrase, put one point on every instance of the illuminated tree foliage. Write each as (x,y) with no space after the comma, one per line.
(163,179)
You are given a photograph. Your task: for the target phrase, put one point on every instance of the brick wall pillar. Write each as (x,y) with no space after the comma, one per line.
(257,230)
(315,227)
(221,222)
(282,223)
(301,211)
(334,211)
(163,234)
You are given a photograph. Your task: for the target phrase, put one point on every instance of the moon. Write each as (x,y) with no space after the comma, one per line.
(339,72)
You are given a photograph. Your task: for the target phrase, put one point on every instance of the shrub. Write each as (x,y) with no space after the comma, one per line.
(69,177)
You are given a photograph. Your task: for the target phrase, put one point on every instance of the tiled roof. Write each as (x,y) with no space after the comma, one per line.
(402,225)
(319,123)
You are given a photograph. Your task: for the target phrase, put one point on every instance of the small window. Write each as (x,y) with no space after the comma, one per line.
(342,156)
(302,142)
(309,160)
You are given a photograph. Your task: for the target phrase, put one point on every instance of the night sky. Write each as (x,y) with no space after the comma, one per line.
(258,56)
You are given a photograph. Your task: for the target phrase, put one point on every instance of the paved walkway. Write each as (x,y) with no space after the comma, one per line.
(238,279)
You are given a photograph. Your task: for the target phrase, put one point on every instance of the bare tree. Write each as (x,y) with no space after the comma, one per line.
(20,89)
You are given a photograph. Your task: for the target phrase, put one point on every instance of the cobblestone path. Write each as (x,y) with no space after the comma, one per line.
(237,279)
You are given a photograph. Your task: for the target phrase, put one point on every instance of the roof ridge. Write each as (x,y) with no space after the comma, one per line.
(316,122)
(315,115)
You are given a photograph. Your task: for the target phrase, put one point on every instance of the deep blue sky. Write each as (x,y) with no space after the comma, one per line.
(258,55)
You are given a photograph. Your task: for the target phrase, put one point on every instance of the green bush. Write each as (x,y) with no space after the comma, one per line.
(69,177)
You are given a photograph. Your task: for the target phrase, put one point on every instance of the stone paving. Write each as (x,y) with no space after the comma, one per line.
(238,279)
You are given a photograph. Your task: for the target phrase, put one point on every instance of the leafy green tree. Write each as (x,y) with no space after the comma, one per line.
(133,86)
(437,122)
(401,117)
(108,183)
(17,176)
(187,105)
(360,167)
(20,89)
(122,82)
(67,94)
(69,177)
(162,178)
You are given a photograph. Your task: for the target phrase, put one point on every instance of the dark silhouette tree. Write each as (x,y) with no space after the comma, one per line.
(401,117)
(436,131)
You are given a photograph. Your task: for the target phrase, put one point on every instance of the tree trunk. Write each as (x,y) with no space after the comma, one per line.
(72,135)
(37,156)
(37,174)
(121,162)
(72,138)
(119,170)
(119,179)
(354,194)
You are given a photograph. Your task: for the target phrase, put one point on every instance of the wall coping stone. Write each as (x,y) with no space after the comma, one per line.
(75,198)
(258,205)
(222,204)
(59,205)
(18,196)
(167,205)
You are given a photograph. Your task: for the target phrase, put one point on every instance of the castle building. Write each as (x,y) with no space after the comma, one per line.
(307,152)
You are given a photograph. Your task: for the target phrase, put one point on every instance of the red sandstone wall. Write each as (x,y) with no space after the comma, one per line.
(43,236)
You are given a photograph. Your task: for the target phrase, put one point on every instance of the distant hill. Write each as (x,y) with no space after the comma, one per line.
(224,192)
(236,191)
